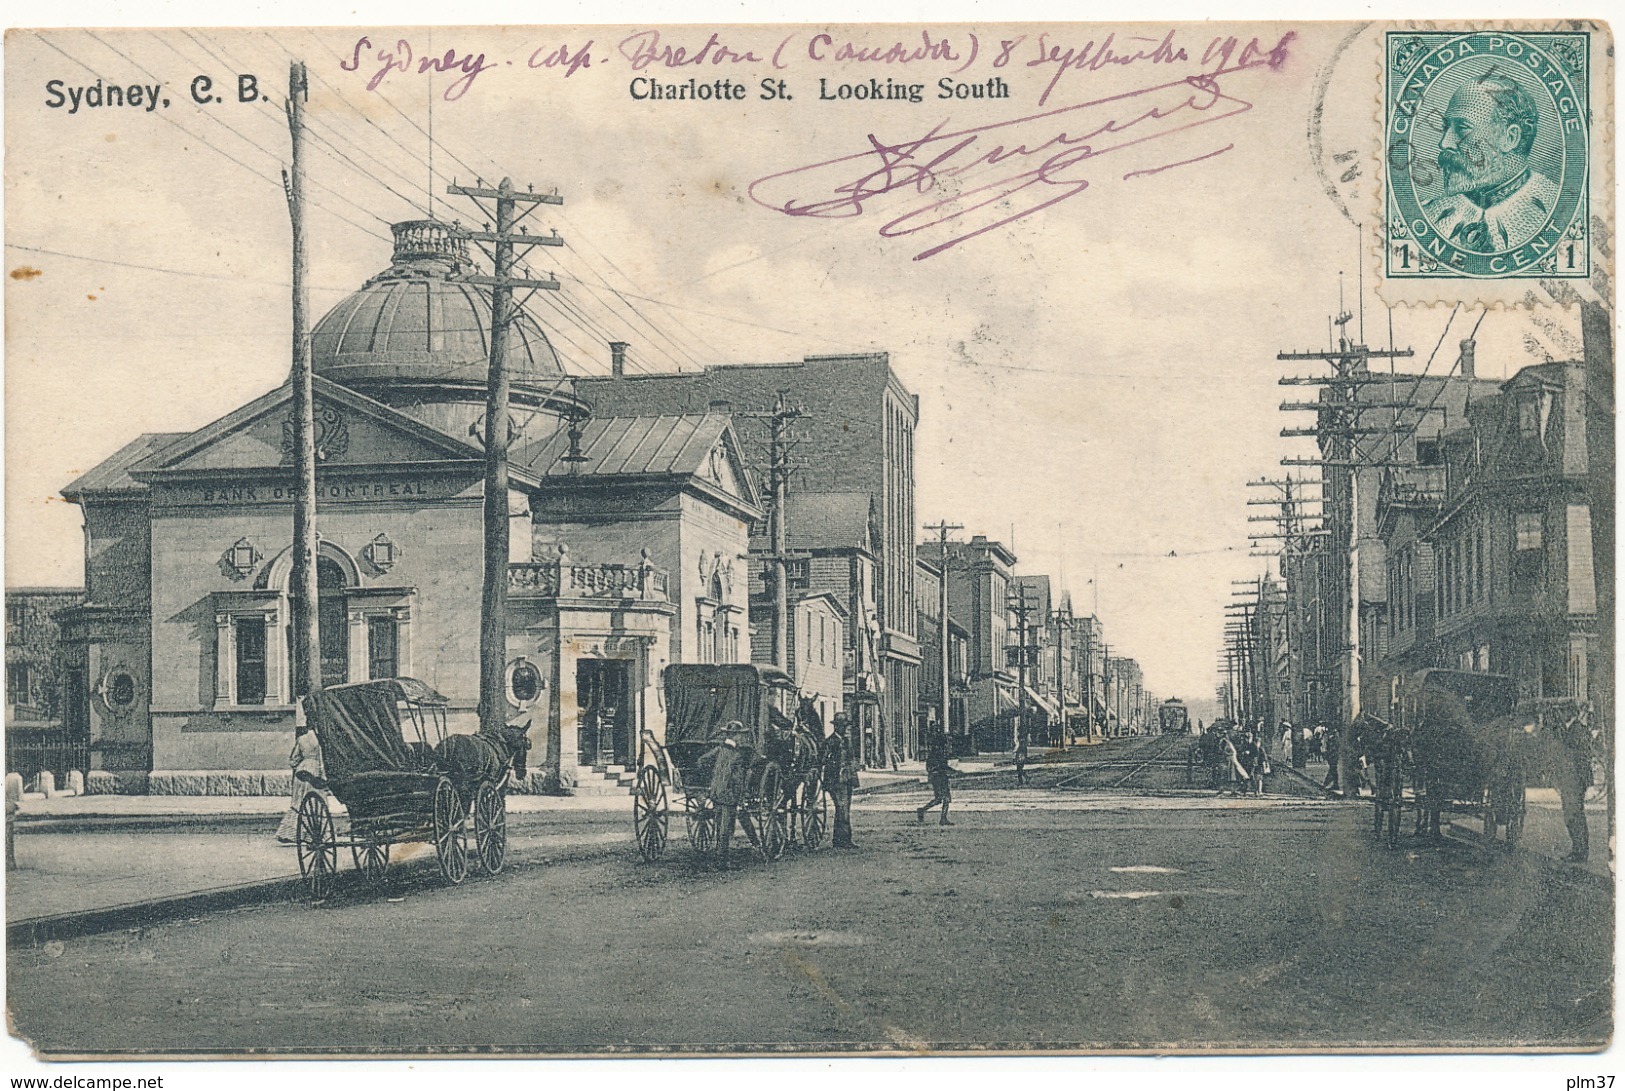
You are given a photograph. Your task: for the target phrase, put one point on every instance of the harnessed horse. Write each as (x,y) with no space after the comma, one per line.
(470,760)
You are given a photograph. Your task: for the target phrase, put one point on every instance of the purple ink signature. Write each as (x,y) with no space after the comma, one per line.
(964,175)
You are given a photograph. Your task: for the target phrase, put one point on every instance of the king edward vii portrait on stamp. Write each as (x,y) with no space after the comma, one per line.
(1487,157)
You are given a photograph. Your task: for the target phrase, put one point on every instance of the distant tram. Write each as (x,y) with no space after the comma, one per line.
(1174,717)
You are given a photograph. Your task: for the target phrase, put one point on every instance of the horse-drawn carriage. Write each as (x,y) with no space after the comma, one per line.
(1455,745)
(785,799)
(400,779)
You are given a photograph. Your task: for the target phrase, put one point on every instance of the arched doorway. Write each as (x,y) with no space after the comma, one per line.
(334,620)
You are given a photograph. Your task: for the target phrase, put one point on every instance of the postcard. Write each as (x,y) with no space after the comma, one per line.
(779,539)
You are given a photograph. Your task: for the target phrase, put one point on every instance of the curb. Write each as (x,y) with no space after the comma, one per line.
(110,821)
(1317,786)
(33,931)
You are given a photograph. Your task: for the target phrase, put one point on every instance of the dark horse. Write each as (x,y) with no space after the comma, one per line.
(470,760)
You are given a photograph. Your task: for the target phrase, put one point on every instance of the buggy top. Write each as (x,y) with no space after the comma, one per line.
(702,697)
(359,727)
(1455,700)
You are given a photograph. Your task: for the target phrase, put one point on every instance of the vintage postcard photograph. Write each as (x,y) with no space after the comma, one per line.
(713,539)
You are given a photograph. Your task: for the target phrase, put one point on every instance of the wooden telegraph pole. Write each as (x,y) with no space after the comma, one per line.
(943,527)
(307,647)
(502,282)
(778,552)
(1019,605)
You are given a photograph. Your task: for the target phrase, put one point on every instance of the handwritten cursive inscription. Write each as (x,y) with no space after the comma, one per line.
(970,181)
(402,58)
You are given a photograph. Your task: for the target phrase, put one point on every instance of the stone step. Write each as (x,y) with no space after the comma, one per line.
(597,782)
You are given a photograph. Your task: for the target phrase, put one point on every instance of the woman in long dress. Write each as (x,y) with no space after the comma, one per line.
(309,775)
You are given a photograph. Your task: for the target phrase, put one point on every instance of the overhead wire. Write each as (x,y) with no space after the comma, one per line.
(275,157)
(205,142)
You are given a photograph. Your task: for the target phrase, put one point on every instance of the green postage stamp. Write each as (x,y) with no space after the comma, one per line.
(1487,152)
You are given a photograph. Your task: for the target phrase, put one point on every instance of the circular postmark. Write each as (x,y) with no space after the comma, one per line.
(1487,154)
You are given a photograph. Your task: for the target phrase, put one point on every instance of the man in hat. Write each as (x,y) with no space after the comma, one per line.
(1571,736)
(841,776)
(937,771)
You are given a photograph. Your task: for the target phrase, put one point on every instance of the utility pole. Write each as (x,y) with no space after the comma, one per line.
(778,553)
(779,423)
(502,282)
(1343,455)
(1019,605)
(943,528)
(307,646)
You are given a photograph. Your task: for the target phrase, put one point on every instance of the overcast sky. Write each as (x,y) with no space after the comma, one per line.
(1097,379)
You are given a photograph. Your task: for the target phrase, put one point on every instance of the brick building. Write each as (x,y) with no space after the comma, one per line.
(854,446)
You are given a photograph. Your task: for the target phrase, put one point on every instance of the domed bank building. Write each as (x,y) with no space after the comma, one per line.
(628,549)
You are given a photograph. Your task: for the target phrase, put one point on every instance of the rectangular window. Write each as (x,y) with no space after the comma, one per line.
(250,660)
(383,648)
(16,621)
(1427,452)
(17,684)
(1527,528)
(1528,418)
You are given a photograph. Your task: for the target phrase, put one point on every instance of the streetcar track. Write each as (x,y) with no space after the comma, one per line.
(1139,765)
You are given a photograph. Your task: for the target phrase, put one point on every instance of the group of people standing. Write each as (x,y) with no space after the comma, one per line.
(1317,743)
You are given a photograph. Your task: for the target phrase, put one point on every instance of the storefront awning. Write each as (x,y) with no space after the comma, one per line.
(1043,702)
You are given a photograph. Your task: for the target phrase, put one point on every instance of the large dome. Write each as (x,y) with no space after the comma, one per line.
(421,328)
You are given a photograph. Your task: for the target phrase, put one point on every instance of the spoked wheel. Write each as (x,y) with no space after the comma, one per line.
(371,858)
(650,814)
(317,847)
(814,811)
(702,826)
(490,828)
(767,813)
(450,833)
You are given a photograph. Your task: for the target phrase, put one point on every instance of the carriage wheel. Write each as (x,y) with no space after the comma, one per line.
(814,811)
(490,828)
(450,833)
(649,814)
(768,815)
(317,847)
(371,858)
(702,826)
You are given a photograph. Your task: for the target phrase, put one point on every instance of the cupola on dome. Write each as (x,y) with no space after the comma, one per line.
(421,326)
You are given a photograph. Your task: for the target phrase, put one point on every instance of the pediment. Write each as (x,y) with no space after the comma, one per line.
(723,468)
(351,430)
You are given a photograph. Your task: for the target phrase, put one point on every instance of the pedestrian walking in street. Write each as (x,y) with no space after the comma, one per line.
(1571,736)
(840,769)
(1333,751)
(1021,762)
(1286,743)
(937,772)
(309,774)
(729,764)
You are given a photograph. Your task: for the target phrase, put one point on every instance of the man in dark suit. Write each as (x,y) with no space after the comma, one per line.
(1571,752)
(937,771)
(840,777)
(730,765)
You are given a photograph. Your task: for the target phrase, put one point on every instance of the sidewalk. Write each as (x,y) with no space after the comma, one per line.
(102,862)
